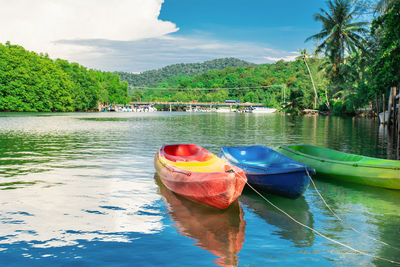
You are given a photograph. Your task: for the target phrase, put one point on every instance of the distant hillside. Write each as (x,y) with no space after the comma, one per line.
(270,84)
(153,77)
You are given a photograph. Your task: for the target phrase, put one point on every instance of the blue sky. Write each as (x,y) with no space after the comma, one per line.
(139,35)
(283,24)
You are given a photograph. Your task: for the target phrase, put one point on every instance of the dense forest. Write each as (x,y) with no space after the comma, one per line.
(33,82)
(362,57)
(269,84)
(153,77)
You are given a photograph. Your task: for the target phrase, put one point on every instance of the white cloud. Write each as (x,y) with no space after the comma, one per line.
(285,58)
(39,24)
(153,53)
(112,35)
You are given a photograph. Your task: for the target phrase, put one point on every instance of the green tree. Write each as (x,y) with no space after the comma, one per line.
(137,95)
(386,70)
(34,82)
(339,33)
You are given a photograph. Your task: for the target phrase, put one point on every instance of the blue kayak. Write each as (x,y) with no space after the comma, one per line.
(269,170)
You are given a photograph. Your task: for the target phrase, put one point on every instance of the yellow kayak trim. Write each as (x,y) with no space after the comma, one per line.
(214,164)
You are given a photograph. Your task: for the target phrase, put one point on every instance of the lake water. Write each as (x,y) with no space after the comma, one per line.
(80,189)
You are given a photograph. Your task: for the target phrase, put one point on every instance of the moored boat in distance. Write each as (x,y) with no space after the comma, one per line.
(197,174)
(146,108)
(265,110)
(269,170)
(128,108)
(336,165)
(223,110)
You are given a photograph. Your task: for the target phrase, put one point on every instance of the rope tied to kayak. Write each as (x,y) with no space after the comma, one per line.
(313,230)
(165,165)
(341,220)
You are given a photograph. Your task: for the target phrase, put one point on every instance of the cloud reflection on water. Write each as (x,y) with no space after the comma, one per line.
(60,184)
(60,211)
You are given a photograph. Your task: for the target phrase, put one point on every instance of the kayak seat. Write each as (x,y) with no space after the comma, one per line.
(186,153)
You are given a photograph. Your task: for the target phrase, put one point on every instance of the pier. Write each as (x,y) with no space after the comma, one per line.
(169,105)
(194,103)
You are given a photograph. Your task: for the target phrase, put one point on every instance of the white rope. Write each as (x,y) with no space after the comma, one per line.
(315,231)
(341,220)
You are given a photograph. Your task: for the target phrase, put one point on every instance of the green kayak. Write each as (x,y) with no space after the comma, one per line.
(347,167)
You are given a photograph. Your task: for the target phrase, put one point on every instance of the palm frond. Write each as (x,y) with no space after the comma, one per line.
(317,36)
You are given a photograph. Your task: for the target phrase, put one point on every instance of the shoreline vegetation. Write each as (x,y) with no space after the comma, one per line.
(350,70)
(31,82)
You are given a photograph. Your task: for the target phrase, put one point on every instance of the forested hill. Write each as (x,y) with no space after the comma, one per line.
(33,82)
(153,77)
(270,84)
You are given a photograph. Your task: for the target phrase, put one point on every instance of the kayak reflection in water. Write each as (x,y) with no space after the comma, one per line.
(287,229)
(221,232)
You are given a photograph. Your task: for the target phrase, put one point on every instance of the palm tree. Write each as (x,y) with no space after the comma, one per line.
(339,35)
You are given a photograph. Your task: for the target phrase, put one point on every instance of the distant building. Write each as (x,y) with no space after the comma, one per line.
(233,101)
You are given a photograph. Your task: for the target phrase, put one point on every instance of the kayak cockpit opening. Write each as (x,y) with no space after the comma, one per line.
(185,152)
(320,152)
(259,156)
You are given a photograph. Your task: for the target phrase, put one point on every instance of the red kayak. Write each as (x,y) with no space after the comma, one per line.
(197,174)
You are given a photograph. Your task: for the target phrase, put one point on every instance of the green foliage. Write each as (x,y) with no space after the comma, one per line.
(386,28)
(153,77)
(359,69)
(241,83)
(32,82)
(338,107)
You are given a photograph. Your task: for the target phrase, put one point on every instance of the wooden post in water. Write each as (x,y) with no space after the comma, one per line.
(391,131)
(394,109)
(390,105)
(398,128)
(376,105)
(390,142)
(170,108)
(383,109)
